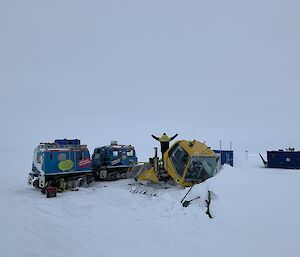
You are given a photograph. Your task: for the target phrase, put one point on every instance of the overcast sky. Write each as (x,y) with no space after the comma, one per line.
(122,70)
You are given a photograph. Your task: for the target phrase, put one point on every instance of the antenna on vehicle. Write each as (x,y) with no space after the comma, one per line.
(193,132)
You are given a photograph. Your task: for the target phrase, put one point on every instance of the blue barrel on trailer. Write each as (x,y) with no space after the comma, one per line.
(226,156)
(288,159)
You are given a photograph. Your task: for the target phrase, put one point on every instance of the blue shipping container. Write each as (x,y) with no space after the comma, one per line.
(226,156)
(284,159)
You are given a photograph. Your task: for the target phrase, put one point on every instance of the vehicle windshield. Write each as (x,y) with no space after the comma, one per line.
(201,168)
(179,159)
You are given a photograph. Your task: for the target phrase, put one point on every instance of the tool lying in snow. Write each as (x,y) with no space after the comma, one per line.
(186,194)
(187,203)
(208,201)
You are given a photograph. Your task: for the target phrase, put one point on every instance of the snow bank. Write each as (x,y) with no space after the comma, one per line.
(255,213)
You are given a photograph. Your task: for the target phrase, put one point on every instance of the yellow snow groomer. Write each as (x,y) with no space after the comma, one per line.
(185,162)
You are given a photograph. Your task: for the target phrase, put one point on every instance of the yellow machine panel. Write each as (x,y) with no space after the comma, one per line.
(190,162)
(149,175)
(186,162)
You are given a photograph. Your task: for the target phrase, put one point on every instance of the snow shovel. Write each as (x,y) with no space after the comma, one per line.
(187,203)
(186,194)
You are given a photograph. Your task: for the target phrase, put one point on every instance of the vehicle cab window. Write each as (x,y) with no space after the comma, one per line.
(79,156)
(38,158)
(62,157)
(115,153)
(179,159)
(130,153)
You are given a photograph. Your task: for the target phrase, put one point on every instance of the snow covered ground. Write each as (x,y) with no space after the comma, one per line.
(256,212)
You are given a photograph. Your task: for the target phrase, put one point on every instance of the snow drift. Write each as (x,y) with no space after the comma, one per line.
(255,213)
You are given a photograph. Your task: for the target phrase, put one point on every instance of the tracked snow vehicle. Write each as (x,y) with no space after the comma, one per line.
(185,162)
(111,162)
(65,163)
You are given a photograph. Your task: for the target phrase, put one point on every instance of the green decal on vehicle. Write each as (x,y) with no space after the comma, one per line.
(65,165)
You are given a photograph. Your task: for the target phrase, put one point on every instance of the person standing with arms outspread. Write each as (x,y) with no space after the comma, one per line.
(164,142)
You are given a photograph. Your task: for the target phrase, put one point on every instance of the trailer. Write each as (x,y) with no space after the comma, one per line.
(282,159)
